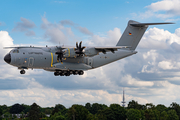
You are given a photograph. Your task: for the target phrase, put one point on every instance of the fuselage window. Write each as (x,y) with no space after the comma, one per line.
(16,51)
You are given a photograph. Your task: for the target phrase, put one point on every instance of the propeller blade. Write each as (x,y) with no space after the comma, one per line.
(79,49)
(77,45)
(80,44)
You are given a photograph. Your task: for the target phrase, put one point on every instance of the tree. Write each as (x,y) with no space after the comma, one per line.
(150,106)
(26,108)
(55,110)
(96,107)
(163,116)
(59,108)
(57,116)
(161,108)
(176,107)
(34,113)
(134,104)
(150,114)
(1,113)
(16,109)
(77,112)
(88,107)
(119,112)
(172,115)
(107,114)
(133,114)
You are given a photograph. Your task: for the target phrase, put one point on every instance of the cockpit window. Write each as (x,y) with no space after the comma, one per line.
(16,51)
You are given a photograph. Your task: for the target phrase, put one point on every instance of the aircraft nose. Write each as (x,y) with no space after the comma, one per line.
(7,58)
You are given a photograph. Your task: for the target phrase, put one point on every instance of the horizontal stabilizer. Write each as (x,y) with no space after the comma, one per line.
(143,24)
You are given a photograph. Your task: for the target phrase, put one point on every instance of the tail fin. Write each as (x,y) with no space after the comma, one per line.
(133,33)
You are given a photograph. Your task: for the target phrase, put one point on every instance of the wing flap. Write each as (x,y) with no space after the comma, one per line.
(110,48)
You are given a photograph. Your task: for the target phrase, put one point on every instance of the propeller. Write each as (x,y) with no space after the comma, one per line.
(60,54)
(79,49)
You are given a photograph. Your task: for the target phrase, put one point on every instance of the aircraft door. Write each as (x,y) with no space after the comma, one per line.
(90,62)
(31,62)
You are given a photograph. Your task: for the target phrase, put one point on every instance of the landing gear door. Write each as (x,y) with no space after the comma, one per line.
(90,62)
(31,62)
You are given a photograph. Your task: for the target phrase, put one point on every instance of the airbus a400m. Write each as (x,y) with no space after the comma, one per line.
(65,61)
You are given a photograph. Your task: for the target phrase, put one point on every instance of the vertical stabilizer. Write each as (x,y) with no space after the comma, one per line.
(134,32)
(132,35)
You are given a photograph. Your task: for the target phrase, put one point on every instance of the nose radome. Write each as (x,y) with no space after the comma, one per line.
(7,58)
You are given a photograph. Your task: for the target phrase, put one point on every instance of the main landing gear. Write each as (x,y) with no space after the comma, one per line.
(22,72)
(68,73)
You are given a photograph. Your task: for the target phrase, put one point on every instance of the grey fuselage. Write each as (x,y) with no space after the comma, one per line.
(45,58)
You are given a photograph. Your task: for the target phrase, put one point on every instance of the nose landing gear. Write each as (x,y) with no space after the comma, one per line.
(22,72)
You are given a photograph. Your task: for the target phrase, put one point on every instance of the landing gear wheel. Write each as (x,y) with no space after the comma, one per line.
(56,73)
(81,72)
(67,73)
(75,72)
(22,72)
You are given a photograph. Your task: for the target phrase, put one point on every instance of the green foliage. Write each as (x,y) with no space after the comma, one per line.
(163,116)
(16,109)
(77,112)
(47,110)
(142,115)
(133,104)
(94,111)
(118,111)
(57,116)
(96,107)
(59,108)
(34,113)
(172,115)
(176,107)
(88,107)
(26,108)
(149,114)
(133,114)
(150,106)
(107,114)
(92,117)
(1,113)
(161,108)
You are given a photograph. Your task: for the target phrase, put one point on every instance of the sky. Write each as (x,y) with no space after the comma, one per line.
(150,76)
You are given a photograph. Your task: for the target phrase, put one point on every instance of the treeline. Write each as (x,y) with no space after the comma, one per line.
(95,111)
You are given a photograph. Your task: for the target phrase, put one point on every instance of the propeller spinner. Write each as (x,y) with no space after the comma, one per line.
(60,54)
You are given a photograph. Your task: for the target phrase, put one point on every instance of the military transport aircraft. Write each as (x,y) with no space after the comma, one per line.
(65,61)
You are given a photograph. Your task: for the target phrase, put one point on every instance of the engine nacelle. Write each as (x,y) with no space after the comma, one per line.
(69,52)
(91,52)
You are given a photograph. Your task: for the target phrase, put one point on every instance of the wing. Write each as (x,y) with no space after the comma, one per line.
(109,48)
(22,47)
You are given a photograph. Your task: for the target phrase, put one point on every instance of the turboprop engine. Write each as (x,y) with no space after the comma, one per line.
(70,52)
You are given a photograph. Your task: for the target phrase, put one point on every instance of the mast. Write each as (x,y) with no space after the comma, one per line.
(123,99)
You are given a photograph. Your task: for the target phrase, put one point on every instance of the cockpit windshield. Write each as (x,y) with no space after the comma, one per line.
(15,51)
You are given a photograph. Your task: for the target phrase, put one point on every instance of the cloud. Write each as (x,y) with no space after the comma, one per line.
(2,23)
(169,6)
(156,38)
(167,10)
(24,26)
(67,22)
(109,39)
(60,2)
(84,30)
(5,41)
(56,32)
